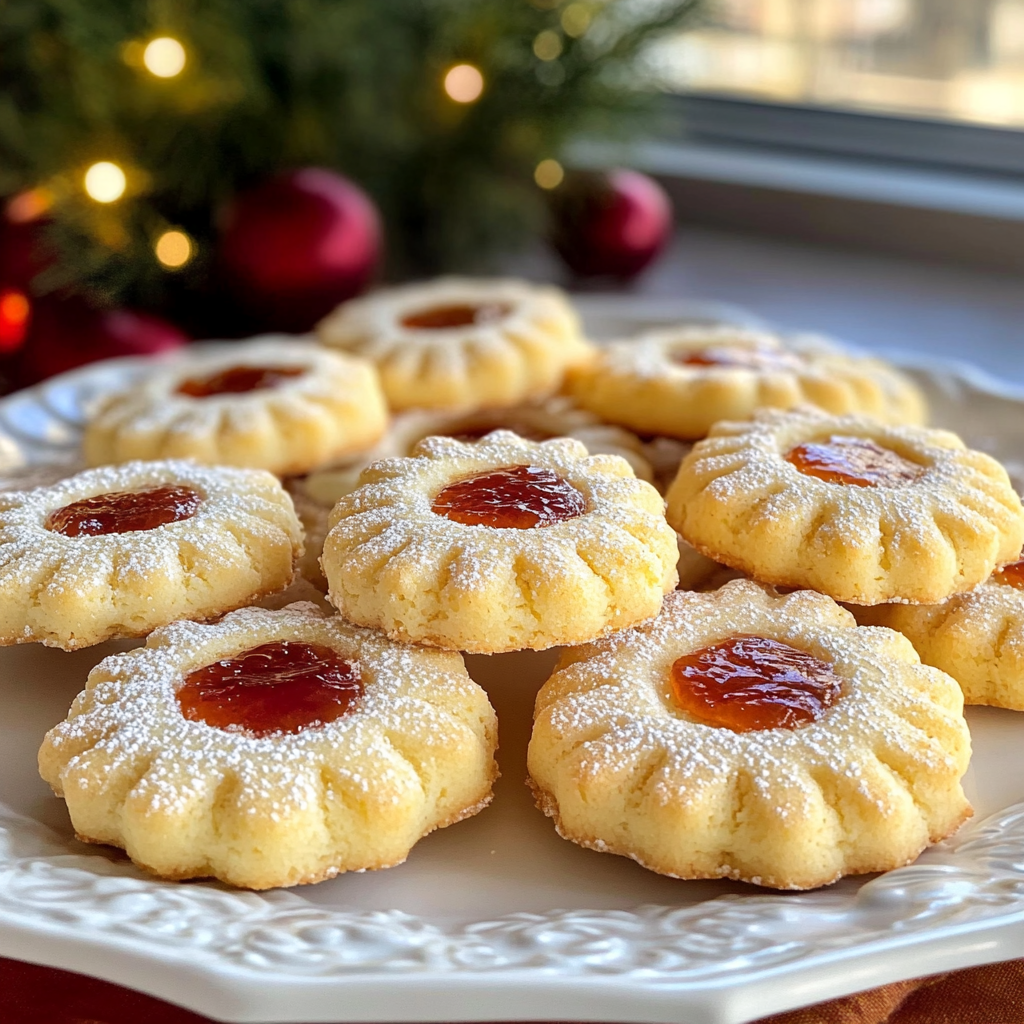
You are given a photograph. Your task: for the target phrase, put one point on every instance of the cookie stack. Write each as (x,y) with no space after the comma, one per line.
(463,506)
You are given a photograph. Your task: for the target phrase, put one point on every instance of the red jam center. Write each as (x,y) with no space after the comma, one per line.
(747,683)
(740,358)
(518,498)
(282,687)
(238,380)
(438,318)
(853,460)
(124,511)
(1012,575)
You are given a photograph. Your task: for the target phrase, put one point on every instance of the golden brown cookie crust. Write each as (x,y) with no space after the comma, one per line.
(333,407)
(72,592)
(188,800)
(739,501)
(509,358)
(977,637)
(393,563)
(646,386)
(866,787)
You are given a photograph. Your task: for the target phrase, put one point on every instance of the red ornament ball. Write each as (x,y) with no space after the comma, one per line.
(609,223)
(295,246)
(67,332)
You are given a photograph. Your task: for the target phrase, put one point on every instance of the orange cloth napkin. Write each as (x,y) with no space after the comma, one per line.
(978,995)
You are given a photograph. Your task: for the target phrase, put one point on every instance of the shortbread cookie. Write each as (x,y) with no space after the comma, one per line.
(462,343)
(116,552)
(746,735)
(271,403)
(499,545)
(274,748)
(977,637)
(863,512)
(680,382)
(313,515)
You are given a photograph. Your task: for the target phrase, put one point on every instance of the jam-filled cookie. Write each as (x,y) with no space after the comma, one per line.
(863,512)
(318,492)
(272,403)
(116,552)
(499,545)
(751,736)
(977,637)
(462,343)
(680,382)
(274,748)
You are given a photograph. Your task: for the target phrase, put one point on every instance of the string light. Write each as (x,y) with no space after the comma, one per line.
(164,57)
(575,20)
(105,182)
(173,249)
(547,45)
(548,174)
(14,314)
(464,83)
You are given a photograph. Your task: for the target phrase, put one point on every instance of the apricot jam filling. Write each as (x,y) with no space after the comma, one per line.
(517,498)
(740,358)
(280,687)
(853,460)
(238,380)
(749,683)
(1012,575)
(124,511)
(462,314)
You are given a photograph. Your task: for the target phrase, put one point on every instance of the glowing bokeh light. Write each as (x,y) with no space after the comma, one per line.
(547,45)
(575,20)
(549,174)
(173,249)
(14,313)
(164,57)
(464,83)
(105,182)
(28,206)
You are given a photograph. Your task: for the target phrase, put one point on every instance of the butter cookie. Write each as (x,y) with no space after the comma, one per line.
(271,403)
(118,551)
(462,343)
(680,382)
(977,637)
(861,511)
(746,735)
(499,545)
(272,749)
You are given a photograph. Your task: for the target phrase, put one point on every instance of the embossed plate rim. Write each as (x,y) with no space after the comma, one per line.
(275,956)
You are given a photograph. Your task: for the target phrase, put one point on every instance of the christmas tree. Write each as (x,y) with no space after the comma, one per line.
(126,126)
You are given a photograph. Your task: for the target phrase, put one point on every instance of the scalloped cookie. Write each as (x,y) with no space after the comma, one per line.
(977,637)
(272,403)
(751,736)
(116,552)
(863,512)
(271,749)
(680,382)
(462,343)
(499,545)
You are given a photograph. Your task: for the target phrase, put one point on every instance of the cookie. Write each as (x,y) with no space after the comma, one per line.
(977,637)
(272,749)
(116,552)
(459,344)
(271,403)
(680,382)
(499,545)
(751,736)
(863,512)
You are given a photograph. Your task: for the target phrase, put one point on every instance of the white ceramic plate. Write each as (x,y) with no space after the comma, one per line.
(496,918)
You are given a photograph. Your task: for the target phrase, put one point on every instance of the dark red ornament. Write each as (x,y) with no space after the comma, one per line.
(295,246)
(609,223)
(22,252)
(67,332)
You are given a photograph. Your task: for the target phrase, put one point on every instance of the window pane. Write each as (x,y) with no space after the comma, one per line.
(959,60)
